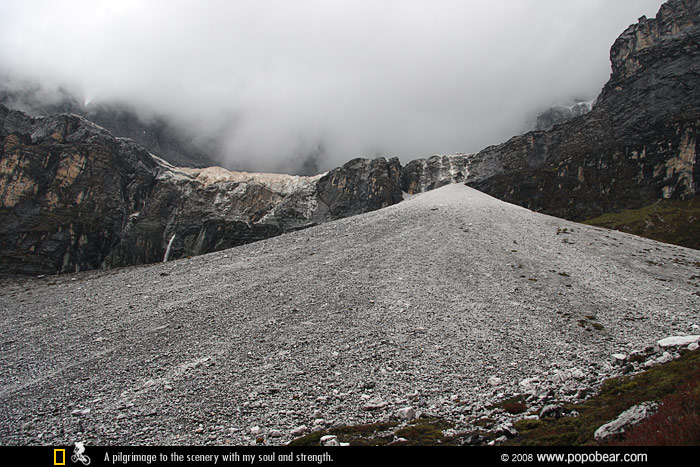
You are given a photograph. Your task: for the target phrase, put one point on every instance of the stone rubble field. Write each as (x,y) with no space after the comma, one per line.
(441,305)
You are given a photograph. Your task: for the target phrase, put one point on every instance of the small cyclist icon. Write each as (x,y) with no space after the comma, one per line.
(78,455)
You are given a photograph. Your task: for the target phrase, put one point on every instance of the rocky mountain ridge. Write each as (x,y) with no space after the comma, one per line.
(637,145)
(74,197)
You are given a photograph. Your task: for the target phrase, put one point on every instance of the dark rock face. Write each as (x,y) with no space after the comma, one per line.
(74,197)
(360,185)
(559,114)
(67,189)
(637,145)
(427,174)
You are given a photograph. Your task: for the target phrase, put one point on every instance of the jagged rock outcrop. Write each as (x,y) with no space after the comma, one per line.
(74,197)
(559,114)
(427,174)
(637,145)
(626,420)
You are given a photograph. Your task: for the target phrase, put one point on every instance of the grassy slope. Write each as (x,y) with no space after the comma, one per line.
(668,221)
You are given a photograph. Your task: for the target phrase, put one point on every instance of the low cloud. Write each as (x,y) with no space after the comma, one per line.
(280,84)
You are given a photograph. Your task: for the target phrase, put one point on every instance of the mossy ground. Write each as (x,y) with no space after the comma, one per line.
(669,221)
(357,435)
(513,405)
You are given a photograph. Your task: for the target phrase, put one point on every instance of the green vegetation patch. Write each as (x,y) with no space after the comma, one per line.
(669,221)
(424,432)
(615,396)
(513,405)
(356,435)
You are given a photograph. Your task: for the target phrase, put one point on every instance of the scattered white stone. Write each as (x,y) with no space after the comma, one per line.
(677,341)
(529,385)
(665,358)
(693,346)
(329,440)
(406,413)
(507,430)
(275,434)
(256,430)
(619,357)
(495,381)
(300,430)
(374,403)
(625,420)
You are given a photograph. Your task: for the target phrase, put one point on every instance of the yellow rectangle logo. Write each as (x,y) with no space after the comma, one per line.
(59,457)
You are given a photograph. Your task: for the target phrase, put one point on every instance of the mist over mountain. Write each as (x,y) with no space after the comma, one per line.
(449,300)
(267,86)
(77,196)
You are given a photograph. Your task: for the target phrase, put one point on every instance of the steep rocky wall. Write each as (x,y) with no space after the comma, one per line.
(427,174)
(73,197)
(67,189)
(637,145)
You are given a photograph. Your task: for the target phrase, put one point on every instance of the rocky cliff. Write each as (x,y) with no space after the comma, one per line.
(557,114)
(637,145)
(75,197)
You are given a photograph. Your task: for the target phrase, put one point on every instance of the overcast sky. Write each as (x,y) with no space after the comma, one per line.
(276,79)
